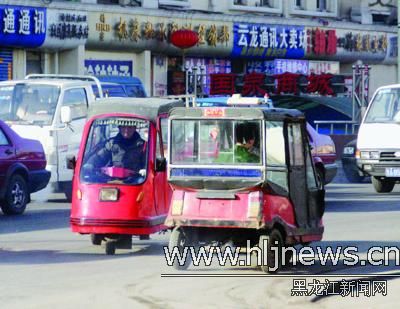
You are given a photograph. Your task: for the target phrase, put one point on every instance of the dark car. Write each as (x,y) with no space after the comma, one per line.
(349,163)
(324,154)
(22,170)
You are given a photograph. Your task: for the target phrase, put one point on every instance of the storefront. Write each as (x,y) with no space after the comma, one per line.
(40,40)
(22,29)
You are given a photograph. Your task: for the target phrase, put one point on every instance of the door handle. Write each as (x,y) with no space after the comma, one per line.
(8,151)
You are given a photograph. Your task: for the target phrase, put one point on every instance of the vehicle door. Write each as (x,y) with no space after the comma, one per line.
(303,187)
(162,191)
(7,156)
(68,140)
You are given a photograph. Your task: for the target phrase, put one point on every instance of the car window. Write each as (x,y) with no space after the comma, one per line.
(3,139)
(76,98)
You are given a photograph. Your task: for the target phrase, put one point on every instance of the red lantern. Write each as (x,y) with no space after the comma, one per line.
(184,38)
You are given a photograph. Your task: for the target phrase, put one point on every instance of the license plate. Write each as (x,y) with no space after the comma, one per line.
(392,172)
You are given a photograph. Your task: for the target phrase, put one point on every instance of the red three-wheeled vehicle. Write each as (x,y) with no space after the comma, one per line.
(119,186)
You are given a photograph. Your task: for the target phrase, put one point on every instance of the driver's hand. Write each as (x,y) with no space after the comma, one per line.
(142,172)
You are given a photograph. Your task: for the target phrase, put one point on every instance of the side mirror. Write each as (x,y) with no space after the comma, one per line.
(161,165)
(71,162)
(66,114)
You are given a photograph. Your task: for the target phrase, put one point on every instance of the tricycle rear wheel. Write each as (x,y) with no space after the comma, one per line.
(96,239)
(110,247)
(271,257)
(179,239)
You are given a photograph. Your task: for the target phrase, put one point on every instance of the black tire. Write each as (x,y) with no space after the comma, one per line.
(320,178)
(383,185)
(288,257)
(179,239)
(16,196)
(96,239)
(269,258)
(110,247)
(352,175)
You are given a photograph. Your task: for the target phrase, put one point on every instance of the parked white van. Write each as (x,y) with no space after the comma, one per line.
(32,107)
(378,142)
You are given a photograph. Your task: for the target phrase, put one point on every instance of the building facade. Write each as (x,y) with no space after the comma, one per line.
(132,38)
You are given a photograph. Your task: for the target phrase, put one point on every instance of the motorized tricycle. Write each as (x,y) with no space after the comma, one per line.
(119,185)
(242,175)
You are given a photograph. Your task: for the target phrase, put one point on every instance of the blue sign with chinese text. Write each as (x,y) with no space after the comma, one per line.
(108,67)
(260,41)
(22,26)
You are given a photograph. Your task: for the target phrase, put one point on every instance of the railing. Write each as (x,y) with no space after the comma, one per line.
(353,125)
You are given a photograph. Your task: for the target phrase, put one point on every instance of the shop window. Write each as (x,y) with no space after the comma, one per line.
(34,62)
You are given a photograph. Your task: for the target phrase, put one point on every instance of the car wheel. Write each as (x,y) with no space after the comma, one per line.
(382,185)
(352,175)
(16,196)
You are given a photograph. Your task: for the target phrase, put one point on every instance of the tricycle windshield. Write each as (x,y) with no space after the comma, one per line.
(116,151)
(216,142)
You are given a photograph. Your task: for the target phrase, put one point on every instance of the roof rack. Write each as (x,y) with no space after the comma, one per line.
(183,96)
(88,78)
(237,99)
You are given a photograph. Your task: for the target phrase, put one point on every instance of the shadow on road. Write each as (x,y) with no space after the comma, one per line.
(35,221)
(360,198)
(28,257)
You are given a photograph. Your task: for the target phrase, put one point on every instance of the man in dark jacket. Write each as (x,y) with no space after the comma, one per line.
(126,149)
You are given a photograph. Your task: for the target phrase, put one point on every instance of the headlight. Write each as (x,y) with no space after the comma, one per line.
(348,150)
(374,155)
(370,155)
(109,194)
(365,155)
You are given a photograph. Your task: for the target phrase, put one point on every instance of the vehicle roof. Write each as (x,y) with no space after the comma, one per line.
(245,112)
(146,107)
(120,79)
(46,81)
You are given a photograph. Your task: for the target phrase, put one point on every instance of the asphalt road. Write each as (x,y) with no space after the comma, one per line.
(44,265)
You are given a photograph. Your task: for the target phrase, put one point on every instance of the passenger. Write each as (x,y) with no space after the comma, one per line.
(126,149)
(245,149)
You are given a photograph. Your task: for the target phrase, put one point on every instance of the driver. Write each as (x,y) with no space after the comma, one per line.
(125,150)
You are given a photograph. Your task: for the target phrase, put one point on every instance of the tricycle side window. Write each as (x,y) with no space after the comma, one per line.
(116,151)
(219,141)
(276,155)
